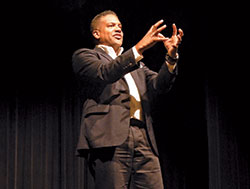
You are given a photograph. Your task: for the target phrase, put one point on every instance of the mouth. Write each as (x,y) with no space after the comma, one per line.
(117,36)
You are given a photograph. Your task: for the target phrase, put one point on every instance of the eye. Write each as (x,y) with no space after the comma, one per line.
(111,25)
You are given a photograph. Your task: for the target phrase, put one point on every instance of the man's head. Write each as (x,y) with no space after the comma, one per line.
(107,29)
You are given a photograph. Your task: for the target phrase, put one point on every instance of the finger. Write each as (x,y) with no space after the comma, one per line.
(160,29)
(179,39)
(174,30)
(181,33)
(162,37)
(158,39)
(157,24)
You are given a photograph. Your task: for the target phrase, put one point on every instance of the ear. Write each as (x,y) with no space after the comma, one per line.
(96,34)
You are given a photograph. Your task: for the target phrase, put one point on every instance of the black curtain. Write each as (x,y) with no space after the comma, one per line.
(201,125)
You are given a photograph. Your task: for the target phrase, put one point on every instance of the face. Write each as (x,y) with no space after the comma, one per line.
(109,31)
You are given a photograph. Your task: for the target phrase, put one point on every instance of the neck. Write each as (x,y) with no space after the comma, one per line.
(116,52)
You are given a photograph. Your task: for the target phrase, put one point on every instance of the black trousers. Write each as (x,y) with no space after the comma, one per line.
(131,165)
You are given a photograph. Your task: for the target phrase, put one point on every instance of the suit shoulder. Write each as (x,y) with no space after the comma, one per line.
(83,50)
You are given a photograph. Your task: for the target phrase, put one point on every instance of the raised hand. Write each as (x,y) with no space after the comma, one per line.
(172,44)
(151,38)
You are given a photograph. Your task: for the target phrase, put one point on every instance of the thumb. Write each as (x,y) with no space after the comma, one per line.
(161,36)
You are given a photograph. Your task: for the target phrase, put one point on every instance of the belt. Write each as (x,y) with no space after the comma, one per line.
(137,122)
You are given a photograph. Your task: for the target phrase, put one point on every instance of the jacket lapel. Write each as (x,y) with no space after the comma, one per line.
(103,54)
(121,84)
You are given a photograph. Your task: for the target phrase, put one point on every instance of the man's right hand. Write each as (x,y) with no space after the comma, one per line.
(151,38)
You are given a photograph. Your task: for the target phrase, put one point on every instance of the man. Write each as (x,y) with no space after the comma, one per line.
(116,127)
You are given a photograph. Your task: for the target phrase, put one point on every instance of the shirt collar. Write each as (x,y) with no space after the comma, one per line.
(110,51)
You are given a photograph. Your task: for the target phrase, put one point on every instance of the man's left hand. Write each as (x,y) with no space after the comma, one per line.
(172,44)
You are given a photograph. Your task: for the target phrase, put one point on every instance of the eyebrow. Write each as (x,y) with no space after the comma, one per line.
(112,22)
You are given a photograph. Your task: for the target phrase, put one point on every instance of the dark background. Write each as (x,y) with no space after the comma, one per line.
(201,125)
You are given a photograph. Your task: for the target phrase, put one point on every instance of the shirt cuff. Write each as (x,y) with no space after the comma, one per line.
(137,56)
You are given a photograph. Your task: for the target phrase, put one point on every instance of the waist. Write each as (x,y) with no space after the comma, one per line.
(137,122)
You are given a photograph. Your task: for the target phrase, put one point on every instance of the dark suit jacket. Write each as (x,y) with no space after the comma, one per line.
(106,112)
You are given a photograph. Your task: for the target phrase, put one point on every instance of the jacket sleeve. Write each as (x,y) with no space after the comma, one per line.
(160,82)
(88,63)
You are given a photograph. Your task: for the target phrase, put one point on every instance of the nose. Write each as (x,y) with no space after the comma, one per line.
(118,29)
